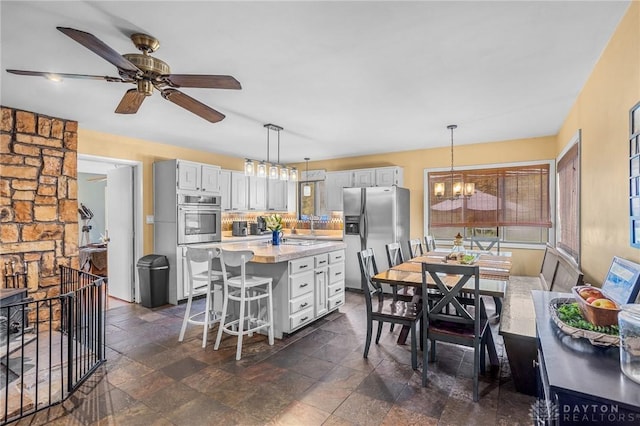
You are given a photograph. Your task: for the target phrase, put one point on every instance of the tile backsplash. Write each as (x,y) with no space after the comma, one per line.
(290,220)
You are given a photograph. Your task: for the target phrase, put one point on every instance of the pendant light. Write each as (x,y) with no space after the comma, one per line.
(249,168)
(284,170)
(458,188)
(273,168)
(268,169)
(262,170)
(306,189)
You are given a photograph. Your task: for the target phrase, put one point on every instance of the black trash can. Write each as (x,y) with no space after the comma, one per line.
(153,271)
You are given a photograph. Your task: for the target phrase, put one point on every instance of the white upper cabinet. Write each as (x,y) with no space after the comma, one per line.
(210,178)
(292,196)
(239,196)
(389,176)
(257,193)
(198,177)
(189,176)
(225,190)
(364,177)
(277,195)
(335,182)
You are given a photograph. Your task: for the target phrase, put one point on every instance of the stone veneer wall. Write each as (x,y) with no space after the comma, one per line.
(38,197)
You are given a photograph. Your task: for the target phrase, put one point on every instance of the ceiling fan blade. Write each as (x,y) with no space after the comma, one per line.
(192,105)
(98,47)
(59,76)
(202,80)
(130,102)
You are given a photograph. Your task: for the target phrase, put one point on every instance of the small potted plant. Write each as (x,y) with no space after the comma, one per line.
(274,224)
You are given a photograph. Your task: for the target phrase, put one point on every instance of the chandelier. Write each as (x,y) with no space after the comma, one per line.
(458,188)
(272,170)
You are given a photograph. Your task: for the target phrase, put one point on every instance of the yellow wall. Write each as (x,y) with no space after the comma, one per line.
(120,147)
(602,112)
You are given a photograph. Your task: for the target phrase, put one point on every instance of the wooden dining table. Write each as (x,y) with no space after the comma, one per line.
(494,273)
(494,276)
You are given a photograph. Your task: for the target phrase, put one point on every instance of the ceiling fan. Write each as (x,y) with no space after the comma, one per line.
(147,73)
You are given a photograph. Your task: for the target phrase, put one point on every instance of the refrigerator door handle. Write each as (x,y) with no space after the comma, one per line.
(363,220)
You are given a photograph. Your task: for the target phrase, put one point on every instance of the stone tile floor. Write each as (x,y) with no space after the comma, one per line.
(316,376)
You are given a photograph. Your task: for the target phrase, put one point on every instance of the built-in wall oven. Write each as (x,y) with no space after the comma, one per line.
(199,219)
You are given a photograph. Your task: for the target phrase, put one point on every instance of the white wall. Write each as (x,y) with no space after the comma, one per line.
(92,195)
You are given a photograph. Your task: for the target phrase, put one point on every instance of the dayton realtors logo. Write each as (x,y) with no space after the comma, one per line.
(543,411)
(546,411)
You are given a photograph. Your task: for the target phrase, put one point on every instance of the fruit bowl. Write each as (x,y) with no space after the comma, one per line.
(596,306)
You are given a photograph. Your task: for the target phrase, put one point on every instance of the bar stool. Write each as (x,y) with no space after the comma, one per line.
(249,291)
(201,283)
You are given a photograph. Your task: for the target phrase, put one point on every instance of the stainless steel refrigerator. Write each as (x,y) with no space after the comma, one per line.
(373,217)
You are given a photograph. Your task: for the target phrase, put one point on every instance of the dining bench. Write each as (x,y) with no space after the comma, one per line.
(518,319)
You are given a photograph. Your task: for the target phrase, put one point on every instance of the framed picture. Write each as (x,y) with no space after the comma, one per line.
(634,175)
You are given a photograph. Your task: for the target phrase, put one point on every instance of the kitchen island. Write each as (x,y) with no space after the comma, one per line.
(308,278)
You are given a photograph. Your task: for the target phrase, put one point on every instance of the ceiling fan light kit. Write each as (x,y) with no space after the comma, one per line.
(146,72)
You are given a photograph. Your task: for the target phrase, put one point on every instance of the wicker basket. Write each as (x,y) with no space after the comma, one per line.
(596,338)
(596,315)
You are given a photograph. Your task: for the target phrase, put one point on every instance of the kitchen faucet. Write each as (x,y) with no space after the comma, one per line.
(312,218)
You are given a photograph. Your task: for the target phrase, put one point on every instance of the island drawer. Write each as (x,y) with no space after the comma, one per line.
(336,300)
(301,318)
(336,289)
(336,273)
(301,265)
(300,303)
(301,284)
(322,260)
(336,256)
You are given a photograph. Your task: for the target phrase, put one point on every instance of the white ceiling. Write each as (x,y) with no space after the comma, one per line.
(342,78)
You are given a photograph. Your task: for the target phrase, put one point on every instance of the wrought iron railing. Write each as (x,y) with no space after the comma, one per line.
(49,347)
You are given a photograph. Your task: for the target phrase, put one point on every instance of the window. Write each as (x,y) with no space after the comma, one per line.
(568,200)
(511,202)
(313,204)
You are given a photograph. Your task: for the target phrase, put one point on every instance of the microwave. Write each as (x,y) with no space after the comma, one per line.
(199,223)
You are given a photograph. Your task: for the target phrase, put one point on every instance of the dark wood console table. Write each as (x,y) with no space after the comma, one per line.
(582,383)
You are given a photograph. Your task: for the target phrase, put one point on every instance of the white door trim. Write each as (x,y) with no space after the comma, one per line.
(96,164)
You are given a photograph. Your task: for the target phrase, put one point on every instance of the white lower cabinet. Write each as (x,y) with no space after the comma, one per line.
(316,287)
(335,291)
(321,284)
(304,289)
(301,291)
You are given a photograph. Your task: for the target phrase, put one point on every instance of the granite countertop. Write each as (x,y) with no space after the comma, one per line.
(245,238)
(265,252)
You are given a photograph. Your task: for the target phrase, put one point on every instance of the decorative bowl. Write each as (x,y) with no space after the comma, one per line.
(596,315)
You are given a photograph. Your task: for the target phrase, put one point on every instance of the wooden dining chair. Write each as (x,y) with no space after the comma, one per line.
(415,248)
(465,324)
(429,243)
(395,257)
(384,310)
(486,244)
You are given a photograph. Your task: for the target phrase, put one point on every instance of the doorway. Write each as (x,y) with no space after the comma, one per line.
(122,187)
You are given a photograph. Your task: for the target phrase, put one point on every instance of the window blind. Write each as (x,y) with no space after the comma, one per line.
(568,171)
(506,196)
